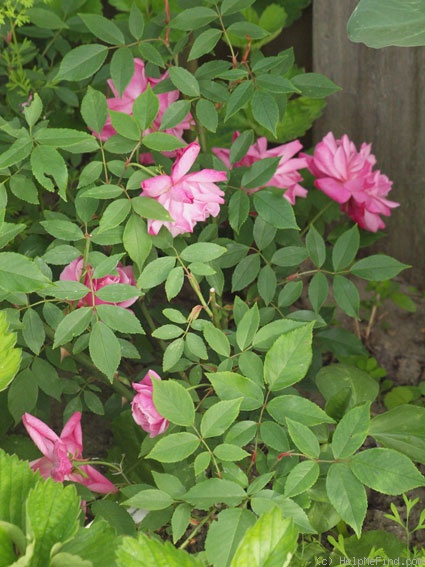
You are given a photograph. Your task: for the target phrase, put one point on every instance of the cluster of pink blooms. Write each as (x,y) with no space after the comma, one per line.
(346,176)
(63,456)
(74,272)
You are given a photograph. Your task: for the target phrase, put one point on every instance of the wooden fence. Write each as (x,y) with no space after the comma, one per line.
(383,102)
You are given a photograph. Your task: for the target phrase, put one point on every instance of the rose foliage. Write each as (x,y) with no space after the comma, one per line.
(171,267)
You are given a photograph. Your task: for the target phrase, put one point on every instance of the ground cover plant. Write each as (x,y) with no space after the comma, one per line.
(173,262)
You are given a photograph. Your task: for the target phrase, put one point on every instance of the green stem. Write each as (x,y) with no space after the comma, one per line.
(314,219)
(197,529)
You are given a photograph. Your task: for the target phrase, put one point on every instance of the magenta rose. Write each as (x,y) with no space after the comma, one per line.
(74,272)
(143,409)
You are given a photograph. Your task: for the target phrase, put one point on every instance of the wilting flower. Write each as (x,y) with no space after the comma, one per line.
(287,174)
(74,272)
(346,175)
(62,454)
(138,85)
(188,197)
(143,409)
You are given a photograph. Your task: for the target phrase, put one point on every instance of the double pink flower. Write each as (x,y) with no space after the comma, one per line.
(287,175)
(74,272)
(62,455)
(143,409)
(346,175)
(188,197)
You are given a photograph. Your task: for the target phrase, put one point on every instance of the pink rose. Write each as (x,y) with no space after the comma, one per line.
(346,175)
(74,272)
(138,85)
(188,197)
(143,409)
(61,454)
(287,174)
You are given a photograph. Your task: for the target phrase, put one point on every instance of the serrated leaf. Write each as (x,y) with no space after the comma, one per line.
(174,448)
(297,408)
(173,401)
(204,43)
(122,68)
(184,81)
(82,62)
(148,552)
(105,350)
(377,267)
(275,209)
(215,490)
(33,330)
(219,417)
(20,274)
(351,431)
(119,319)
(103,28)
(302,477)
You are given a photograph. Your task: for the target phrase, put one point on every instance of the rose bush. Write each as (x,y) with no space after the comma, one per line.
(161,229)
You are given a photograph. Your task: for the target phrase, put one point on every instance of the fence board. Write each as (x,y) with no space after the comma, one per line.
(383,102)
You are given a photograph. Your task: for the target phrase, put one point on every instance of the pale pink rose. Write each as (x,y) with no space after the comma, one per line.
(287,174)
(346,175)
(74,272)
(188,197)
(60,454)
(138,85)
(143,409)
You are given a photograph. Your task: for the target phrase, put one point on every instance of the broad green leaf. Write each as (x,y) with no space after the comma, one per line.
(8,231)
(122,68)
(114,214)
(246,271)
(260,173)
(386,471)
(72,325)
(174,448)
(10,357)
(33,112)
(207,114)
(264,233)
(70,140)
(125,125)
(381,23)
(231,386)
(318,290)
(297,408)
(247,327)
(173,401)
(62,229)
(228,452)
(82,62)
(18,151)
(174,282)
(275,209)
(351,431)
(238,209)
(304,439)
(316,247)
(225,534)
(71,291)
(265,110)
(241,145)
(346,296)
(315,85)
(184,81)
(20,274)
(96,543)
(288,360)
(347,495)
(136,240)
(195,345)
(172,354)
(175,114)
(204,43)
(162,142)
(377,267)
(214,491)
(47,163)
(156,272)
(47,378)
(202,252)
(150,53)
(219,417)
(33,330)
(271,541)
(146,551)
(24,188)
(103,28)
(216,339)
(94,109)
(180,521)
(119,319)
(193,18)
(289,256)
(242,29)
(136,22)
(401,428)
(274,436)
(105,350)
(239,98)
(150,499)
(22,395)
(290,293)
(345,248)
(302,477)
(45,19)
(145,108)
(167,332)
(234,6)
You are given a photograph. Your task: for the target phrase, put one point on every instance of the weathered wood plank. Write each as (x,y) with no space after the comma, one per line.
(383,102)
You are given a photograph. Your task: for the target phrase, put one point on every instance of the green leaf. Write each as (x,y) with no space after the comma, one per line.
(207,114)
(315,85)
(216,339)
(174,282)
(175,114)
(260,173)
(72,325)
(180,521)
(275,209)
(290,293)
(351,431)
(114,214)
(70,140)
(239,98)
(126,125)
(288,360)
(18,151)
(245,272)
(33,330)
(297,408)
(243,29)
(33,112)
(318,290)
(8,231)
(241,145)
(119,319)
(230,386)
(234,6)
(202,252)
(173,354)
(215,491)
(148,552)
(174,448)
(225,534)
(386,471)
(302,477)
(114,293)
(136,240)
(68,290)
(173,402)
(10,357)
(304,439)
(151,54)
(94,109)
(193,19)
(248,327)
(105,350)
(156,272)
(345,248)
(289,256)
(20,274)
(46,162)
(184,81)
(204,43)
(167,332)
(45,19)
(346,296)
(122,68)
(63,230)
(271,541)
(47,378)
(145,108)
(377,267)
(103,28)
(219,417)
(263,233)
(401,429)
(22,395)
(347,495)
(238,209)
(150,499)
(162,142)
(24,188)
(316,247)
(265,110)
(381,23)
(230,453)
(82,62)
